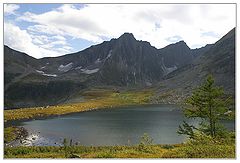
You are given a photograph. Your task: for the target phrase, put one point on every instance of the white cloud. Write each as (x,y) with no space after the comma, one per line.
(36,46)
(158,24)
(45,29)
(58,37)
(150,22)
(10,9)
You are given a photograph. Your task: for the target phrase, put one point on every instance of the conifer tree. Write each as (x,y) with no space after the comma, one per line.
(206,103)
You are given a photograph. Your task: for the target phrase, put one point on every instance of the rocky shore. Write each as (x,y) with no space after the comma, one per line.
(19,133)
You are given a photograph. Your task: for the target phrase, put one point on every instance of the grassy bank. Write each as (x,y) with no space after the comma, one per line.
(10,134)
(204,148)
(94,99)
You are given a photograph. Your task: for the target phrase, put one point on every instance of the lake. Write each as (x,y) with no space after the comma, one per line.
(118,126)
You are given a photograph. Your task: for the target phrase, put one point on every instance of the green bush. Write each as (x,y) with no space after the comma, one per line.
(204,146)
(167,146)
(105,154)
(145,143)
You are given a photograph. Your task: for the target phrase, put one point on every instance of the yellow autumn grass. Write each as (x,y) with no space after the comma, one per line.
(95,99)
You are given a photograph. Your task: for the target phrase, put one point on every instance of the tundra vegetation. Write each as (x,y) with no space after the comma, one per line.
(94,99)
(202,146)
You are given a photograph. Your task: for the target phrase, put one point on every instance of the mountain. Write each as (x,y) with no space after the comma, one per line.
(218,60)
(199,51)
(131,62)
(122,62)
(176,55)
(16,64)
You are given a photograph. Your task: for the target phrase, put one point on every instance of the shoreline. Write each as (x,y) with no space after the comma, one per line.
(15,123)
(20,132)
(107,101)
(30,149)
(9,123)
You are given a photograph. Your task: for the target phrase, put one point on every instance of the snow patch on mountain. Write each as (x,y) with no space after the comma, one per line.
(109,54)
(65,68)
(98,61)
(51,75)
(171,69)
(44,74)
(40,72)
(168,70)
(86,71)
(78,68)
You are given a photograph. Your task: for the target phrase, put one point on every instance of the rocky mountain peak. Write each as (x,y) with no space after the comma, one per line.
(181,44)
(127,36)
(177,54)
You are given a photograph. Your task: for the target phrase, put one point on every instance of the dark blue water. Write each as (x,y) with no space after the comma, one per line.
(119,126)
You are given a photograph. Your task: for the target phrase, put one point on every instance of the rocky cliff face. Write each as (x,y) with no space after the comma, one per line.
(219,60)
(176,55)
(131,62)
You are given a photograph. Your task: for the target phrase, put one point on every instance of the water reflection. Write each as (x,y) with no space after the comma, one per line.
(119,126)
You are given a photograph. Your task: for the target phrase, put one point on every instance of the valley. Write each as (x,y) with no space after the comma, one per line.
(122,72)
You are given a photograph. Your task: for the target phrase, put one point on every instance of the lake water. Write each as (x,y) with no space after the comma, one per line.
(119,126)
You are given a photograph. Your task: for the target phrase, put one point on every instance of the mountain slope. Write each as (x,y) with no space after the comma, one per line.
(16,64)
(177,54)
(218,60)
(131,62)
(124,62)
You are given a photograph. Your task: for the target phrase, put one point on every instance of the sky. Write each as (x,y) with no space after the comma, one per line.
(50,30)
